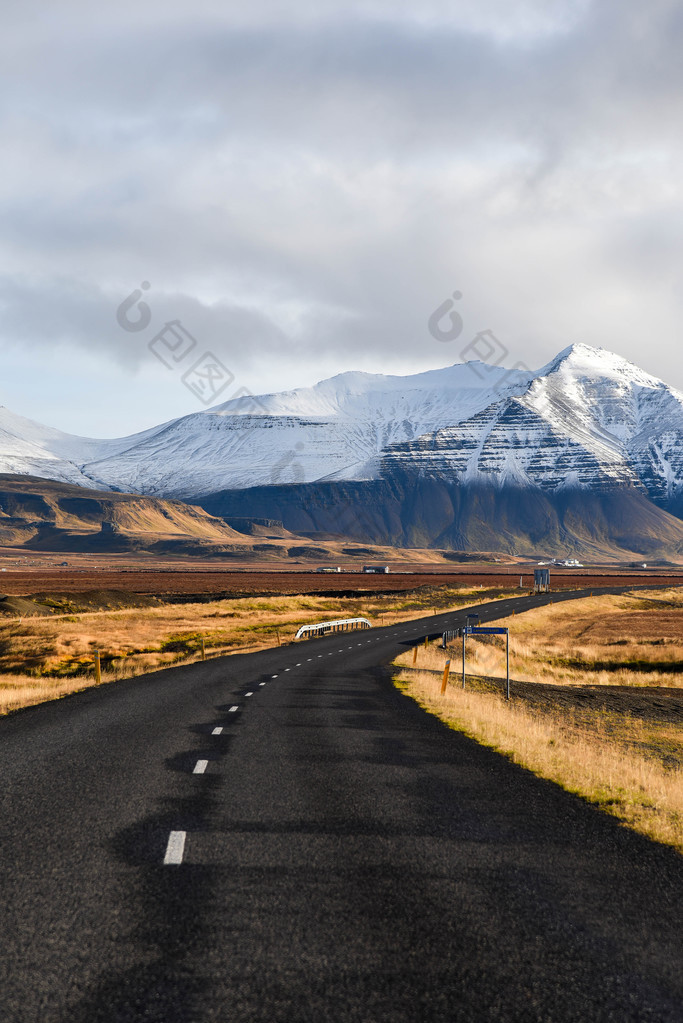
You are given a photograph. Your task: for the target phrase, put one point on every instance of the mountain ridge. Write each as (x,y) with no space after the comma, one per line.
(588,420)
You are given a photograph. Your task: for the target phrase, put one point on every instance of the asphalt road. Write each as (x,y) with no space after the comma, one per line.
(344,857)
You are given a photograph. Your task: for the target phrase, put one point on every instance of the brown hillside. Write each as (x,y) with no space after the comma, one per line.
(41,514)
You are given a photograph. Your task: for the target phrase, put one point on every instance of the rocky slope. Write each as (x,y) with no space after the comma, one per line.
(422,512)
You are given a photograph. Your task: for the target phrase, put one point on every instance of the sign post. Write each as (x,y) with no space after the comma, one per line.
(468,628)
(476,631)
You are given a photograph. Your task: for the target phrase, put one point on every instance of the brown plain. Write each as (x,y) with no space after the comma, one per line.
(191,579)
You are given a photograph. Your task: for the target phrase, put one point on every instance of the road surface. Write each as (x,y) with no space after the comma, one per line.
(283,836)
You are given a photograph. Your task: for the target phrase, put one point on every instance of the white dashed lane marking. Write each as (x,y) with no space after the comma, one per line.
(273,676)
(262,683)
(248,694)
(233,709)
(200,766)
(175,848)
(217,731)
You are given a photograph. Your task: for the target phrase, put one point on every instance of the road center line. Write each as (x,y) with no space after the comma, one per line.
(248,694)
(217,731)
(262,683)
(175,848)
(200,766)
(233,709)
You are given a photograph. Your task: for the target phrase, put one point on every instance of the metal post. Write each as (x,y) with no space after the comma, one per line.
(464,633)
(507,663)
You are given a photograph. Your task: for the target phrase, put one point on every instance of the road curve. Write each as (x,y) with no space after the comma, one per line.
(283,836)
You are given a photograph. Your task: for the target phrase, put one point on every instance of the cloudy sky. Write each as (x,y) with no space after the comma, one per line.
(302,185)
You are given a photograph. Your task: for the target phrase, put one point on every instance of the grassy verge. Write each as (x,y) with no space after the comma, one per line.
(629,768)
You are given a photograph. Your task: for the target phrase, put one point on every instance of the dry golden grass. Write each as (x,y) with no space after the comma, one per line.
(18,691)
(44,658)
(619,763)
(636,789)
(607,640)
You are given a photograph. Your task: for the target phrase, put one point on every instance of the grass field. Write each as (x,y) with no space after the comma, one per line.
(597,704)
(606,640)
(46,657)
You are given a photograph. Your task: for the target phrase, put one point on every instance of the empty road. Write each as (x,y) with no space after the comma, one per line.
(283,836)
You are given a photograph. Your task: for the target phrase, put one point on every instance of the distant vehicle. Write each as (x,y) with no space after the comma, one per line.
(376,569)
(328,568)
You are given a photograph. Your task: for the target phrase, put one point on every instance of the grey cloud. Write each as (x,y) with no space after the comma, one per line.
(307,189)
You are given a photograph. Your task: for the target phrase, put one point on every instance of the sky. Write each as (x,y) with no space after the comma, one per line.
(302,189)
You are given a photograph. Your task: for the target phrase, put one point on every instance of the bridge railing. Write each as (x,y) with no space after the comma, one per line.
(326,628)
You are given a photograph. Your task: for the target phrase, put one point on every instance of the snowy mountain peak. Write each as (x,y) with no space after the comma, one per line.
(581,360)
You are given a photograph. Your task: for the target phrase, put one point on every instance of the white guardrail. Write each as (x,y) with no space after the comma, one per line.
(324,628)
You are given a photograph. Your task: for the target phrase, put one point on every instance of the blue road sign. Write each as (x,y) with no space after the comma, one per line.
(476,631)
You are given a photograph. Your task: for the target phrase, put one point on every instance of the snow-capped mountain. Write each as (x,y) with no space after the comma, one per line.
(589,419)
(336,430)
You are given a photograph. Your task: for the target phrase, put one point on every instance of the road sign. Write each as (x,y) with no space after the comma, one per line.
(475,630)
